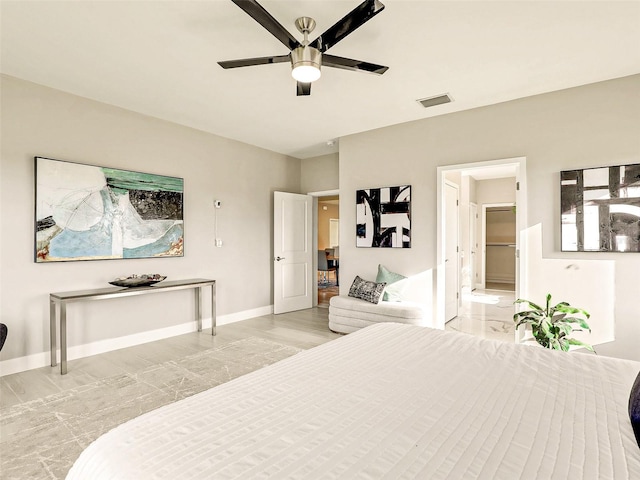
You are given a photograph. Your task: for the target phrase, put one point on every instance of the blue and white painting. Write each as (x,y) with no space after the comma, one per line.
(84,212)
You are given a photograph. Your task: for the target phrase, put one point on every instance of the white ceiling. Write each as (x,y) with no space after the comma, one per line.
(159,58)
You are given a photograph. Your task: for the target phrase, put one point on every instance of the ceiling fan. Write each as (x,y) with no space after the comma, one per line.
(307,57)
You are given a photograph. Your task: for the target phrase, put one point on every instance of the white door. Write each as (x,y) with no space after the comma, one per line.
(451,265)
(292,252)
(473,243)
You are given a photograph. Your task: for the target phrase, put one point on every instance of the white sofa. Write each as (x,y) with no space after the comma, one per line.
(348,314)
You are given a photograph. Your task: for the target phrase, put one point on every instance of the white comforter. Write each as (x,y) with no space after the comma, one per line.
(395,402)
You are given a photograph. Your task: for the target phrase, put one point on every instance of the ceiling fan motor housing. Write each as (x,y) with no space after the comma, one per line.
(306,60)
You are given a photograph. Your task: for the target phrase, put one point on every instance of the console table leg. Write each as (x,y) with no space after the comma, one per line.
(213,309)
(53,333)
(63,338)
(198,292)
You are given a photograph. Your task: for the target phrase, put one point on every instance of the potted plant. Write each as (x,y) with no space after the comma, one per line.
(551,326)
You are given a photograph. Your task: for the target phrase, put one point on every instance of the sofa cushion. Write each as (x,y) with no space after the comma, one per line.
(396,284)
(354,307)
(366,290)
(348,314)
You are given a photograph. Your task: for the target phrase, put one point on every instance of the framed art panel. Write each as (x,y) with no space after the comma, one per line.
(383,217)
(85,212)
(600,209)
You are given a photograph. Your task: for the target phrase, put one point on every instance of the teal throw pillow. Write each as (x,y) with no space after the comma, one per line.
(396,284)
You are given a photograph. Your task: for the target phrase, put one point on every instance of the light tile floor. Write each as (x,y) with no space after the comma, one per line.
(302,329)
(487,314)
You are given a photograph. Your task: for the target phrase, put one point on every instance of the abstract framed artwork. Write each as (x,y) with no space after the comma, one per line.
(383,217)
(85,212)
(600,209)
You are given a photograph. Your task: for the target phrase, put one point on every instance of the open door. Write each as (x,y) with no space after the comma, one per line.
(473,244)
(452,264)
(292,252)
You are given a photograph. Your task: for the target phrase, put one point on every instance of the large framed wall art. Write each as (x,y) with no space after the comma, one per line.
(383,217)
(85,212)
(600,209)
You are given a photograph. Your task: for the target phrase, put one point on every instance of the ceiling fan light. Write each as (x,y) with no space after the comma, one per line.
(305,64)
(305,73)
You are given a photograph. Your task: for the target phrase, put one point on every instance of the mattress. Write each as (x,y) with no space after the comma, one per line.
(391,401)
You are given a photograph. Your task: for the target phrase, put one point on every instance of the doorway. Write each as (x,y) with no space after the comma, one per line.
(499,240)
(480,184)
(328,247)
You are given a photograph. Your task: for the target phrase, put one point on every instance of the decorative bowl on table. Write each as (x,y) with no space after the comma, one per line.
(143,280)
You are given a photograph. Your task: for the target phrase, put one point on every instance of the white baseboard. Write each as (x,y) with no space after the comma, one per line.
(38,360)
(244,315)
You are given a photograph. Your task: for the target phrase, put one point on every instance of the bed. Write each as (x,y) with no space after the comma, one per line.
(391,401)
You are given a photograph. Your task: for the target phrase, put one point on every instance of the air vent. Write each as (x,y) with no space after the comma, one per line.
(433,101)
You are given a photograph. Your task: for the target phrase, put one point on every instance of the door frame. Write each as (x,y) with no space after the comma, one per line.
(316,195)
(456,187)
(520,165)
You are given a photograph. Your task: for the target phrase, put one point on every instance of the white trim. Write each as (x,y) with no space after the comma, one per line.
(456,187)
(521,223)
(244,315)
(38,360)
(316,195)
(324,193)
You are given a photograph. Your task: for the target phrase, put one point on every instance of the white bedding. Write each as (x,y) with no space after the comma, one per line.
(395,402)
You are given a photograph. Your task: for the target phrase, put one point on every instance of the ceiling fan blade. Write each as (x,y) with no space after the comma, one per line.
(351,64)
(303,89)
(350,22)
(264,18)
(248,62)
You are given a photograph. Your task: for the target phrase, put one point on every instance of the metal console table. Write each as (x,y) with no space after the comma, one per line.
(63,298)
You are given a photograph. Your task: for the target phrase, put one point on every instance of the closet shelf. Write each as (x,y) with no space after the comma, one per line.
(500,244)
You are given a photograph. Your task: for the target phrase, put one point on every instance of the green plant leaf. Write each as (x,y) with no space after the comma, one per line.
(577,320)
(565,328)
(527,320)
(548,302)
(545,328)
(531,304)
(573,341)
(566,308)
(529,314)
(554,344)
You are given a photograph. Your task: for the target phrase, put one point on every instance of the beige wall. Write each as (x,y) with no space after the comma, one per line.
(496,190)
(319,174)
(587,126)
(46,122)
